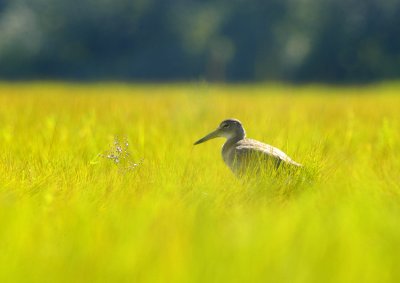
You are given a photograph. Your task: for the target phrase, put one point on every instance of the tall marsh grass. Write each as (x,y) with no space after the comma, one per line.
(70,213)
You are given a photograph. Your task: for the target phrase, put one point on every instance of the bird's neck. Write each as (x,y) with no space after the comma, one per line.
(237,137)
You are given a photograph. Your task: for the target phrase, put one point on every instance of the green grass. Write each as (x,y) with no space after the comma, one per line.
(69,214)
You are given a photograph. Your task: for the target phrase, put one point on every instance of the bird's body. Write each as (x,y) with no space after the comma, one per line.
(242,154)
(250,154)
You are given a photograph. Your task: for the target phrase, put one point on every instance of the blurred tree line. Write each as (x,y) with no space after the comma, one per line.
(223,40)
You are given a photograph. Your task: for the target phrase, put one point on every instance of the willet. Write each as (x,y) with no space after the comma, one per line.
(246,155)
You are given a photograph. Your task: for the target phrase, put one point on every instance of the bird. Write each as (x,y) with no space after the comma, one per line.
(243,155)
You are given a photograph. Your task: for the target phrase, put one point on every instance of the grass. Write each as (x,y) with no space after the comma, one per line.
(70,214)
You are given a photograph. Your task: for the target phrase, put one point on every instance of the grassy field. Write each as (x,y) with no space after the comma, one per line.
(172,212)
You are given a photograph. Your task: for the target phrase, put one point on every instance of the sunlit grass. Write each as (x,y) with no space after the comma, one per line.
(71,213)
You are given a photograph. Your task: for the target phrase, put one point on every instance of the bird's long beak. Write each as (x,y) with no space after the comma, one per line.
(210,136)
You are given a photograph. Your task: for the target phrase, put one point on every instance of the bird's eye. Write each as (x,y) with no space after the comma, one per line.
(225,125)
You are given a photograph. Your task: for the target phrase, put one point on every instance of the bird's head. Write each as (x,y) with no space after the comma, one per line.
(229,129)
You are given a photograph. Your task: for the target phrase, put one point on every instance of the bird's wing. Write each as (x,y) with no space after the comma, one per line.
(254,147)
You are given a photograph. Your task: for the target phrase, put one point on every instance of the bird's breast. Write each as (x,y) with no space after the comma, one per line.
(229,155)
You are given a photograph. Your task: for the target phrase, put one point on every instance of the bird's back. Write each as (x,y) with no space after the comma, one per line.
(249,154)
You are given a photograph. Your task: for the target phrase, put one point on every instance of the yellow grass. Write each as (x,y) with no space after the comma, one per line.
(70,214)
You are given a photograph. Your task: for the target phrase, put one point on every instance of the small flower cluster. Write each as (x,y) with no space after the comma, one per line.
(120,156)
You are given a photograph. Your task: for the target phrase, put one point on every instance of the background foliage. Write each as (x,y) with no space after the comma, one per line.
(234,40)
